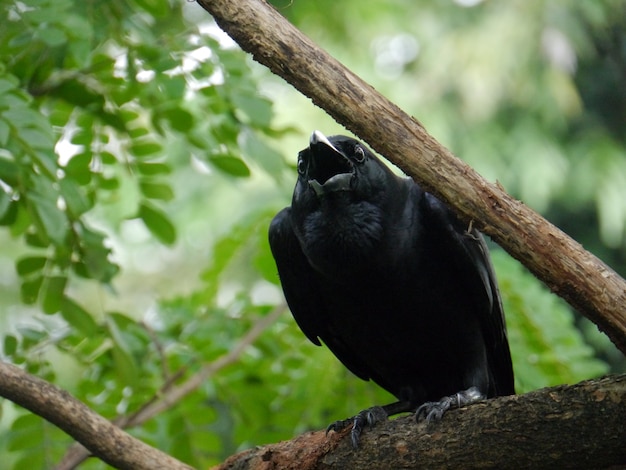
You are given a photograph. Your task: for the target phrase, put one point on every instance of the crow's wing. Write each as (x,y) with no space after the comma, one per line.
(300,285)
(472,255)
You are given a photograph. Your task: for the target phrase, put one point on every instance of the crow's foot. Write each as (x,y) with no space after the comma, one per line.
(434,410)
(368,417)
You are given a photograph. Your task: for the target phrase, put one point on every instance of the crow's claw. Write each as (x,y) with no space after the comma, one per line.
(368,417)
(339,426)
(434,410)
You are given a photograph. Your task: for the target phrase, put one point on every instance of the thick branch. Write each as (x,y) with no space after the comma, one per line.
(580,426)
(101,437)
(573,273)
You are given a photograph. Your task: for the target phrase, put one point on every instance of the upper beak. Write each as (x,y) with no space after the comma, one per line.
(318,138)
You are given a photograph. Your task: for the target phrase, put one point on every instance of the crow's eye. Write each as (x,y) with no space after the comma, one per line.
(301,166)
(359,154)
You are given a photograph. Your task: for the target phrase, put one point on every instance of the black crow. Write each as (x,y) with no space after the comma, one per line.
(399,289)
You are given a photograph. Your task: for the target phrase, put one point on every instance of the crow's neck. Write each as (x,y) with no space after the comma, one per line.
(341,237)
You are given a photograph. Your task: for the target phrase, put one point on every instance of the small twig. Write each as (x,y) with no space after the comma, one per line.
(128,421)
(160,351)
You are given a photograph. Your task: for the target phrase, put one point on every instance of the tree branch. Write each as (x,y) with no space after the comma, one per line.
(97,434)
(580,278)
(580,426)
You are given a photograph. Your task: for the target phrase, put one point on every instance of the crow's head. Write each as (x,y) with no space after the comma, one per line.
(337,164)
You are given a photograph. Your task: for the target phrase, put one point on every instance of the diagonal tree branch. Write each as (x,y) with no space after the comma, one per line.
(584,281)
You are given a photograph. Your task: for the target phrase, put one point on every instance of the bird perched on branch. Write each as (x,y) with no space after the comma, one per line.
(399,289)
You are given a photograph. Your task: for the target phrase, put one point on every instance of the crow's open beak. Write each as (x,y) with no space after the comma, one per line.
(331,170)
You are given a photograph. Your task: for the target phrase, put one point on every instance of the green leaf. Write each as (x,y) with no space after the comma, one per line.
(9,214)
(79,94)
(52,36)
(143,149)
(83,137)
(179,119)
(149,52)
(128,115)
(154,190)
(51,221)
(256,149)
(35,240)
(124,92)
(37,139)
(257,109)
(78,317)
(125,366)
(231,165)
(109,184)
(79,27)
(114,120)
(10,345)
(5,131)
(199,139)
(107,158)
(80,51)
(29,290)
(6,205)
(137,132)
(75,199)
(20,219)
(78,168)
(155,8)
(158,223)
(53,293)
(94,262)
(7,84)
(30,264)
(60,114)
(151,169)
(9,172)
(46,160)
(175,86)
(25,431)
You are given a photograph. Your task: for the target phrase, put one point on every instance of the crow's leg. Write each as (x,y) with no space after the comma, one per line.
(434,410)
(369,417)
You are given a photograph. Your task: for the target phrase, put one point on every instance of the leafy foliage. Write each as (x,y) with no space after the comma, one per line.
(138,177)
(546,348)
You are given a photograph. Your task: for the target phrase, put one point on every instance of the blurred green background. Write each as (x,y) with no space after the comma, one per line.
(142,156)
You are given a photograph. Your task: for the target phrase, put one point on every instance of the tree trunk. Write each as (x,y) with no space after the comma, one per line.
(581,426)
(580,278)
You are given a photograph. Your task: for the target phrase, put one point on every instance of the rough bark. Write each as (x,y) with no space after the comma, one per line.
(584,281)
(581,426)
(100,436)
